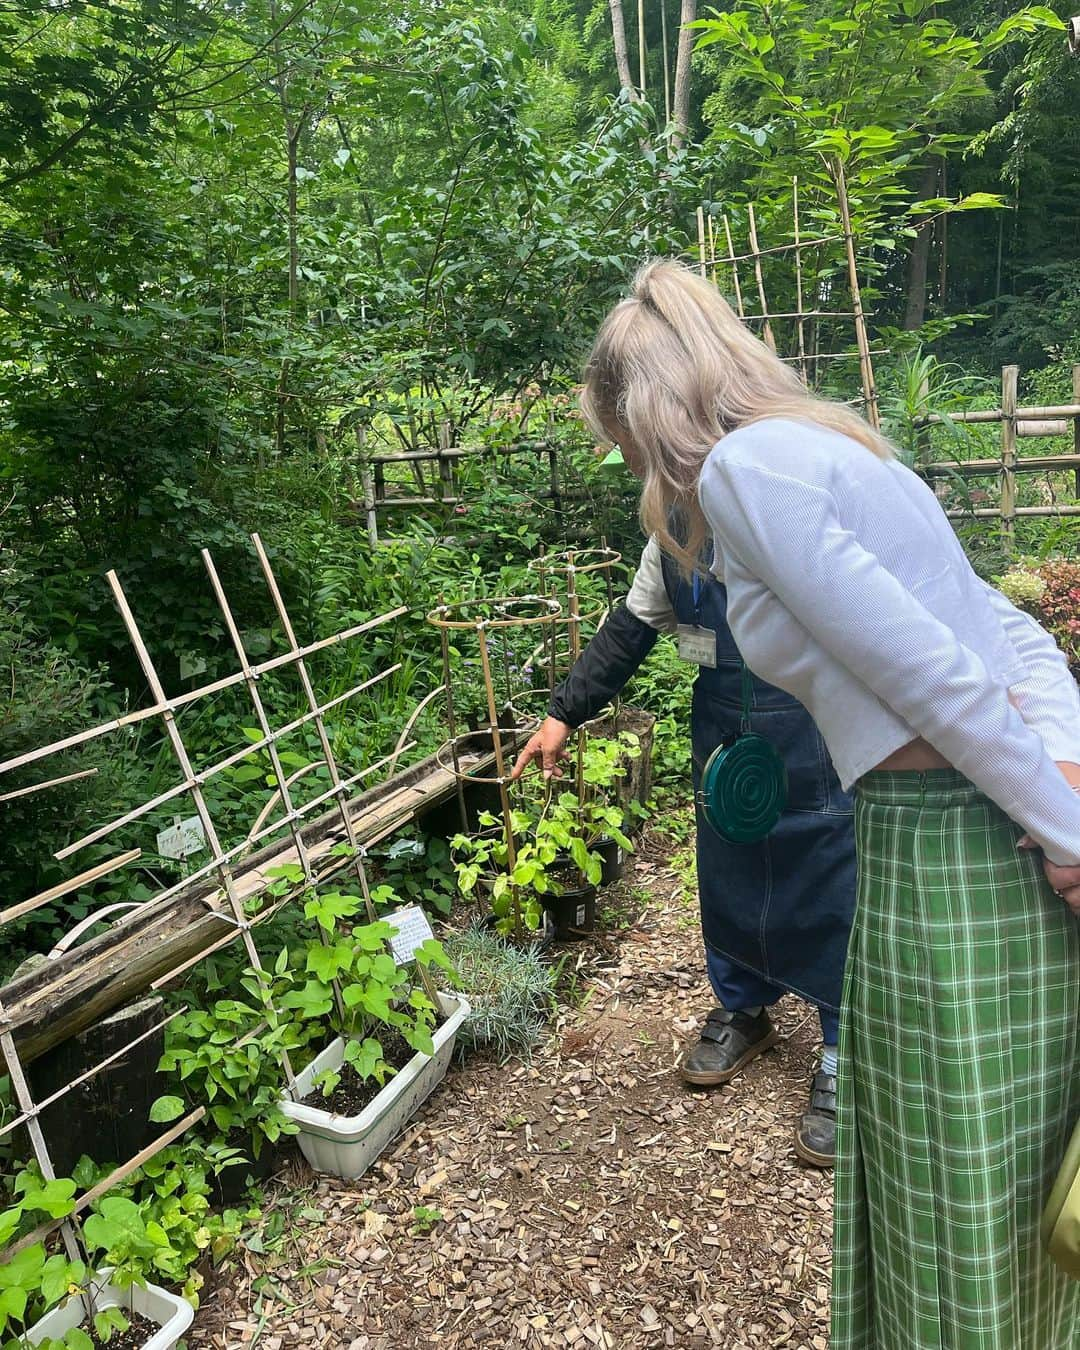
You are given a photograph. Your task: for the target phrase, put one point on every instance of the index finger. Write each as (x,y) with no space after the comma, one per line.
(533,748)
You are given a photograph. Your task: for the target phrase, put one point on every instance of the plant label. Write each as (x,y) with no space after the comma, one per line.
(413,930)
(182,838)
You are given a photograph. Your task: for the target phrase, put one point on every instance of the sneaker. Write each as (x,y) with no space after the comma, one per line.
(815,1139)
(729,1041)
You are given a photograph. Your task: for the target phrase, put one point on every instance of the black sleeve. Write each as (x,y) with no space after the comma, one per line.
(602,669)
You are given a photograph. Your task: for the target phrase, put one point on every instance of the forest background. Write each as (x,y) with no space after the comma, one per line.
(243,246)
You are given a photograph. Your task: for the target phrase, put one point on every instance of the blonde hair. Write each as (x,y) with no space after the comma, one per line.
(676,370)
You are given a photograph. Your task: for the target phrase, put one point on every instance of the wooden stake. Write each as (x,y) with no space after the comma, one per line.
(1009,378)
(768,333)
(733,262)
(867,366)
(701,240)
(799,283)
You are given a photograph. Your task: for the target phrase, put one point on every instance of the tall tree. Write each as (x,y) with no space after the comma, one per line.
(622,57)
(681,104)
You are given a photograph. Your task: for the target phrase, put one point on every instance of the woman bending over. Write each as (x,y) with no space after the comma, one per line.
(955,719)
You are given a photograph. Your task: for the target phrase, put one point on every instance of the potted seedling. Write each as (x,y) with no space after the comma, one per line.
(386,1055)
(566,844)
(79,1309)
(227,1057)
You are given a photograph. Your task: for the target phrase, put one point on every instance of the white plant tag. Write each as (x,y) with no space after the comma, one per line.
(413,930)
(182,838)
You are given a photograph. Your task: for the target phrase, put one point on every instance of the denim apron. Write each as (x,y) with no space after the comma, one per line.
(781,908)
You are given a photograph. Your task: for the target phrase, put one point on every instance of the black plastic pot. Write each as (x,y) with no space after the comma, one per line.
(573,913)
(612,860)
(231,1183)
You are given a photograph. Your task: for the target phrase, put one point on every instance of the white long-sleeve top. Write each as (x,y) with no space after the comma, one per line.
(848,588)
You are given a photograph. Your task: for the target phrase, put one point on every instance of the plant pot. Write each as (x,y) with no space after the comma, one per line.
(612,860)
(346,1146)
(172,1314)
(573,913)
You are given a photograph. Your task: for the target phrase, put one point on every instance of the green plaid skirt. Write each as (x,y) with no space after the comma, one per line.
(959,1079)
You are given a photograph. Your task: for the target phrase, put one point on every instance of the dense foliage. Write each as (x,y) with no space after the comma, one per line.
(243,247)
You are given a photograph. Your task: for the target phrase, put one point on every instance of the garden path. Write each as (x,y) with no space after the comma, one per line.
(586,1200)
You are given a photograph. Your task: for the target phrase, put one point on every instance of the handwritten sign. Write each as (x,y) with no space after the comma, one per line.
(413,930)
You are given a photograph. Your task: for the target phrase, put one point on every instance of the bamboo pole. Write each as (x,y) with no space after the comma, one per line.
(176,741)
(1064,410)
(113,1179)
(801,325)
(667,63)
(770,340)
(52,782)
(1009,378)
(368,483)
(641,45)
(734,262)
(701,240)
(136,813)
(787,248)
(865,362)
(275,759)
(296,654)
(500,766)
(46,1102)
(313,703)
(1076,427)
(66,887)
(27,1106)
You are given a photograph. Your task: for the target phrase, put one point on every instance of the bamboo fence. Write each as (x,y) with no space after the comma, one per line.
(1009,466)
(441,485)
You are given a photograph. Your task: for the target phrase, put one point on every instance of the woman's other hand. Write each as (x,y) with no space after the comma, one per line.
(548,745)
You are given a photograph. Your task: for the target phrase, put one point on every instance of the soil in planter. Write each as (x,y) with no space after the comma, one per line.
(139,1331)
(353,1093)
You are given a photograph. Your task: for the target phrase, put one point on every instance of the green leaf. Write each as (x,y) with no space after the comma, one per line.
(166,1109)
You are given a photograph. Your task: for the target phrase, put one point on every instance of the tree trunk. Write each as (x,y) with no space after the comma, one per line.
(618,38)
(681,110)
(642,53)
(919,258)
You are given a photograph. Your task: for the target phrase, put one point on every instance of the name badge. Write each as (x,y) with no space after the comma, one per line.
(697,644)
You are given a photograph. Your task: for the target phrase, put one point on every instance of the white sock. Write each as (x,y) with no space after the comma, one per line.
(828,1060)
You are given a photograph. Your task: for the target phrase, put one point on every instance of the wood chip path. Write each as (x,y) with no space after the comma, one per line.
(587,1199)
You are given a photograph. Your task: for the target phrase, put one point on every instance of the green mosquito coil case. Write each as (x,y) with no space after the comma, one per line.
(743,789)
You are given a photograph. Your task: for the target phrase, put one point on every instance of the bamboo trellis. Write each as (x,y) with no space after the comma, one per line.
(233,902)
(804,322)
(1008,466)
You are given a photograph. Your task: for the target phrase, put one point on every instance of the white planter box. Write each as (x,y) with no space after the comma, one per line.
(346,1146)
(172,1314)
